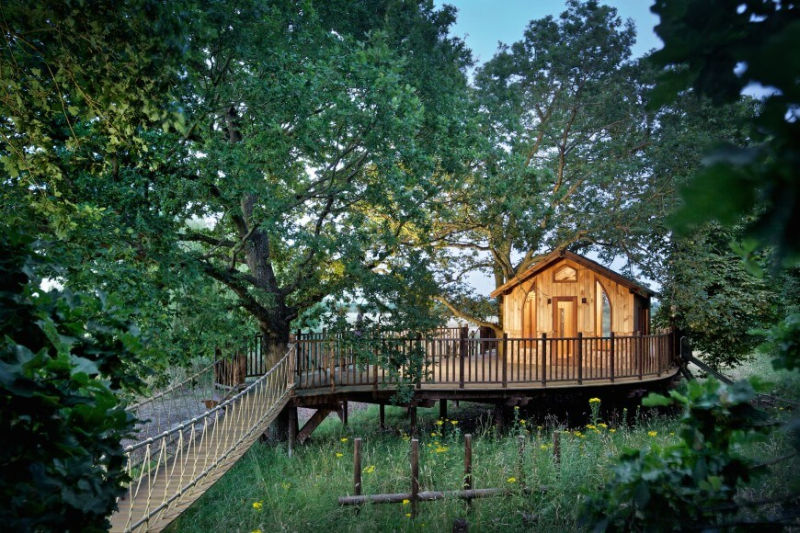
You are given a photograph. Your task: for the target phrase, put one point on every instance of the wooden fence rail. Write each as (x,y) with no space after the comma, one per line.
(463,361)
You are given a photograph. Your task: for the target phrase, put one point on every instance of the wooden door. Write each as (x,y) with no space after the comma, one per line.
(565,322)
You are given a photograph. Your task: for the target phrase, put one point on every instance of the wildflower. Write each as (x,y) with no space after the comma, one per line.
(594,400)
(612,430)
(602,425)
(408,515)
(286,485)
(441,449)
(591,426)
(256,531)
(406,502)
(512,480)
(339,454)
(522,421)
(439,422)
(516,407)
(539,427)
(343,439)
(652,433)
(433,434)
(543,447)
(454,422)
(578,434)
(258,505)
(370,469)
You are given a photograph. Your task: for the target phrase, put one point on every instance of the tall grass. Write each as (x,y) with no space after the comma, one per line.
(269,491)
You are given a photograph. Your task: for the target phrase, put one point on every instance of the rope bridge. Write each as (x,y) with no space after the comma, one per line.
(171,469)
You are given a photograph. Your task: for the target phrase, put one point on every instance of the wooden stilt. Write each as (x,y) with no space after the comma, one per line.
(382,410)
(442,408)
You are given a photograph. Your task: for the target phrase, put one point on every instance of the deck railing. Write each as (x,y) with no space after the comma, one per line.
(464,361)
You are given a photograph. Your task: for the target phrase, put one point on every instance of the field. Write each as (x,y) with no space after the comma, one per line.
(269,491)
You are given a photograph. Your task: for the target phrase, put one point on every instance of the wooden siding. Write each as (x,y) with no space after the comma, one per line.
(620,296)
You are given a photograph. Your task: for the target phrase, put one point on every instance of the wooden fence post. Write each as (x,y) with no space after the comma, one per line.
(521,460)
(413,415)
(414,476)
(462,352)
(505,359)
(468,464)
(557,446)
(357,466)
(611,335)
(580,358)
(544,359)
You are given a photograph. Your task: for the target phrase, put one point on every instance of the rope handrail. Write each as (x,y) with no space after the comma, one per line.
(208,413)
(170,470)
(172,388)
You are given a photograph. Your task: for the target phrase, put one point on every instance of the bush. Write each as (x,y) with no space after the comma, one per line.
(63,466)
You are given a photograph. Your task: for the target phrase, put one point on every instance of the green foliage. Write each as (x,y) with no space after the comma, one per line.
(691,484)
(710,296)
(61,358)
(718,48)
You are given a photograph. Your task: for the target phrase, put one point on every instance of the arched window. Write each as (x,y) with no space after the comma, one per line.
(602,311)
(529,314)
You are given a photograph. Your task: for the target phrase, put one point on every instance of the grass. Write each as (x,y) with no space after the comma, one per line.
(269,491)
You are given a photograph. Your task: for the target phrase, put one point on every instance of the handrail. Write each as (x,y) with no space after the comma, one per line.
(170,470)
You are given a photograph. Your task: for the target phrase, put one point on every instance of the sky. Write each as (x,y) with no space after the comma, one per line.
(484,23)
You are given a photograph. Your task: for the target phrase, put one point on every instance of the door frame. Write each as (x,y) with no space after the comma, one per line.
(574,300)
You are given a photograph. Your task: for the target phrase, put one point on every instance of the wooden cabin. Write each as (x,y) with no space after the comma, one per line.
(565,294)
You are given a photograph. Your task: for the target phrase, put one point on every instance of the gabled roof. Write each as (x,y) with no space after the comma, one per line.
(558,255)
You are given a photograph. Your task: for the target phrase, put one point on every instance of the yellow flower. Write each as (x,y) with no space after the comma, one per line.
(441,449)
(512,480)
(258,505)
(522,421)
(343,439)
(439,422)
(594,400)
(590,426)
(406,502)
(370,469)
(543,447)
(538,427)
(602,425)
(433,434)
(578,434)
(256,531)
(454,422)
(516,407)
(408,515)
(339,454)
(652,433)
(612,430)
(286,485)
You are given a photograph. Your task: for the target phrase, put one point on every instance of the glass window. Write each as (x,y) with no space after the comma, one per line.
(566,273)
(602,311)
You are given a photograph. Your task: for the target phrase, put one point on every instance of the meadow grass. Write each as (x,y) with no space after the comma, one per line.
(269,491)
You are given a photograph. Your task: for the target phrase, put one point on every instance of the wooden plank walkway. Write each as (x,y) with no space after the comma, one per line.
(200,462)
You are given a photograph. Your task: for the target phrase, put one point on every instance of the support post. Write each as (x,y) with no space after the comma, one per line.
(521,460)
(505,359)
(580,358)
(382,411)
(544,359)
(557,446)
(412,411)
(345,411)
(611,335)
(357,466)
(468,464)
(414,476)
(442,408)
(292,429)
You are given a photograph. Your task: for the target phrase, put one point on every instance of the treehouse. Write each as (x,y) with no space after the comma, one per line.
(565,294)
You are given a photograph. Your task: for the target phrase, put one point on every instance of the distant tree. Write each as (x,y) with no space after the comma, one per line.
(566,132)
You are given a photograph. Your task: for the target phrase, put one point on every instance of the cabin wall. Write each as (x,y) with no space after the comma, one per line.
(620,297)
